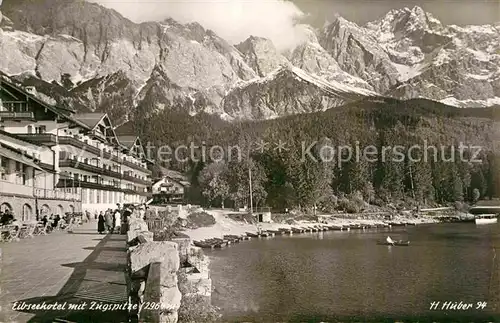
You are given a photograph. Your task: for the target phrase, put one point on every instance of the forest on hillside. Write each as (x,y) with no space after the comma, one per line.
(282,178)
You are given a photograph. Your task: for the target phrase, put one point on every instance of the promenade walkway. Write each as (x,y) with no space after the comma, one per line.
(82,267)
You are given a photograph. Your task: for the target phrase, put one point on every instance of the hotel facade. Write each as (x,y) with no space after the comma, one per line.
(74,159)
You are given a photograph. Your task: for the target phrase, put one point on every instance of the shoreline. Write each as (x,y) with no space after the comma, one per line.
(226,230)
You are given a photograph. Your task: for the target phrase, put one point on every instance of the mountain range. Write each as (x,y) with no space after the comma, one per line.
(88,57)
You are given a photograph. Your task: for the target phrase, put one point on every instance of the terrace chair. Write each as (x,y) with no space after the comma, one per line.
(4,233)
(12,233)
(28,231)
(43,229)
(38,228)
(61,224)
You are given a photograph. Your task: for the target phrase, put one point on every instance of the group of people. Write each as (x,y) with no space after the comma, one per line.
(53,220)
(6,217)
(115,221)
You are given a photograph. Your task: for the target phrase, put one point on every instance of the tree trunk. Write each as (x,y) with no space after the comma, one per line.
(411,182)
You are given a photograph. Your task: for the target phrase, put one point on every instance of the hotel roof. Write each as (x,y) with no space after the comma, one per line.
(127,141)
(90,119)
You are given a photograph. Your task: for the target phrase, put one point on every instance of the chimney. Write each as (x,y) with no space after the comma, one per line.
(31,90)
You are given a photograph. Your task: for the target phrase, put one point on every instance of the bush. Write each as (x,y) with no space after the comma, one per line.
(354,203)
(199,220)
(329,204)
(461,207)
(349,206)
(166,234)
(378,202)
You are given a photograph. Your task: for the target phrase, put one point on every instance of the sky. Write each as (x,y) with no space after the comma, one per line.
(458,12)
(236,20)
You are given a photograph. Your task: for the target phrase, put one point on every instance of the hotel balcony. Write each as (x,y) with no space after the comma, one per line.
(56,195)
(8,188)
(66,183)
(134,192)
(89,168)
(134,166)
(17,116)
(136,180)
(52,140)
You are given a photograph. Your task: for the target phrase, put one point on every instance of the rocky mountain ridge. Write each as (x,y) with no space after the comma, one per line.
(87,56)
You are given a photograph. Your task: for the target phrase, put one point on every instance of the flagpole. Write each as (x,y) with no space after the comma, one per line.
(250,187)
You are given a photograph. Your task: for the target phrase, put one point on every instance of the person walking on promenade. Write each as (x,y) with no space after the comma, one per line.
(126,215)
(100,223)
(117,218)
(142,212)
(108,217)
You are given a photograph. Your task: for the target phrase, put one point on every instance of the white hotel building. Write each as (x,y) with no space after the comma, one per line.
(88,159)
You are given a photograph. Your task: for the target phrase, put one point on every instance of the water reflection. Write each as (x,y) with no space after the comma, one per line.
(346,275)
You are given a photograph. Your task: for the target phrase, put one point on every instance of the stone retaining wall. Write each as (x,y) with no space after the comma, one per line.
(154,266)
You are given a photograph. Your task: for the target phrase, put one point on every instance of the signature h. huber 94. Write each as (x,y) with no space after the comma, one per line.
(457,306)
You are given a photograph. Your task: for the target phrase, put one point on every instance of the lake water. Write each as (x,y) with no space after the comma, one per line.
(346,276)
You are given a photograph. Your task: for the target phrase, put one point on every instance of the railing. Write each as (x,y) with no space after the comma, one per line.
(157,224)
(56,195)
(39,138)
(137,167)
(15,189)
(17,115)
(135,180)
(134,192)
(88,167)
(65,140)
(86,184)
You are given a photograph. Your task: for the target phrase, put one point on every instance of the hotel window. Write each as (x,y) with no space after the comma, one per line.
(25,175)
(3,168)
(19,173)
(41,129)
(30,129)
(85,195)
(98,197)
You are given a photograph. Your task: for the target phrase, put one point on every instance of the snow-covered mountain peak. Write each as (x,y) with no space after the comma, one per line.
(261,55)
(119,66)
(403,22)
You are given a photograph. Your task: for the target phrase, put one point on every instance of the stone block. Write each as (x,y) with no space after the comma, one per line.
(165,252)
(169,318)
(167,277)
(170,299)
(133,234)
(184,245)
(137,224)
(148,235)
(198,259)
